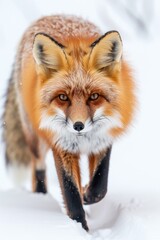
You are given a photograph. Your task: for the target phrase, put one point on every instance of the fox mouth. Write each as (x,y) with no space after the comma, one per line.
(80,134)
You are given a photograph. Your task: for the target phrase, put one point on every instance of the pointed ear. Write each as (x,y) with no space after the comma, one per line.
(106,51)
(48,54)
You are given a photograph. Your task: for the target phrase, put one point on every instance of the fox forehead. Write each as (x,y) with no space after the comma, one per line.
(79,83)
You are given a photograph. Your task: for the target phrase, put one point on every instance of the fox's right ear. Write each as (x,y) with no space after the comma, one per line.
(48,54)
(106,52)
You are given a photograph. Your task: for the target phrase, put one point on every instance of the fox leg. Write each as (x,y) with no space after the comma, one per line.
(39,182)
(67,166)
(99,168)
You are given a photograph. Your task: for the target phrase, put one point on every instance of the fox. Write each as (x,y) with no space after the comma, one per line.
(70,92)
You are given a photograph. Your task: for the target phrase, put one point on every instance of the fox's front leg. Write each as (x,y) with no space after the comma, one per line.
(99,168)
(69,177)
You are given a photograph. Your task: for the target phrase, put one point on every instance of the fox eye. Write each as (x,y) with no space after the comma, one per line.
(63,97)
(94,96)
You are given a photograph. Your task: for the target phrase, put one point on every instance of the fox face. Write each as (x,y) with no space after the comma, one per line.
(79,91)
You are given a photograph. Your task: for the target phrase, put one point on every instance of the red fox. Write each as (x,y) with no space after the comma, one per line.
(70,91)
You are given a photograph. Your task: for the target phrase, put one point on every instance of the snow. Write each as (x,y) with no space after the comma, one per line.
(35,216)
(42,216)
(131,209)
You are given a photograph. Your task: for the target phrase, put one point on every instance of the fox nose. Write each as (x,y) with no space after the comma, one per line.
(78,126)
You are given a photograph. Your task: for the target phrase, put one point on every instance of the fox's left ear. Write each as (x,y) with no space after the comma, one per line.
(106,51)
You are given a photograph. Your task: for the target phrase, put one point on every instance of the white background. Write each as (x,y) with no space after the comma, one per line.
(131,209)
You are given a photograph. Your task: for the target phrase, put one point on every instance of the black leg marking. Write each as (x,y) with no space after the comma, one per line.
(97,188)
(73,200)
(40,181)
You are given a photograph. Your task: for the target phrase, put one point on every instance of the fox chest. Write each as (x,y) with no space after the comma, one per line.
(84,144)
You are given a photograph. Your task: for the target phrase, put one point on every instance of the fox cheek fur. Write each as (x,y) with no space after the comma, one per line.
(71,92)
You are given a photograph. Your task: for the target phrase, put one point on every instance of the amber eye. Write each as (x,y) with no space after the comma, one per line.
(63,97)
(94,96)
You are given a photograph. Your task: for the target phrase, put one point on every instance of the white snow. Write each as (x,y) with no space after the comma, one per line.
(35,216)
(131,209)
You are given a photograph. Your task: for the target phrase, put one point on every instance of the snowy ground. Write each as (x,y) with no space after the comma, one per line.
(131,210)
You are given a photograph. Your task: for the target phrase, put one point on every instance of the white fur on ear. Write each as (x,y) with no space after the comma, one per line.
(37,52)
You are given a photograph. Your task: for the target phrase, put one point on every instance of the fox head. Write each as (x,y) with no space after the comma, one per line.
(80,87)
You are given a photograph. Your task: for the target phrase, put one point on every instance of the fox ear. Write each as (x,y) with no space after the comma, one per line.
(49,55)
(106,51)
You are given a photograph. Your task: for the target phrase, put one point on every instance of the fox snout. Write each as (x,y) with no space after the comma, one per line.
(78,116)
(78,126)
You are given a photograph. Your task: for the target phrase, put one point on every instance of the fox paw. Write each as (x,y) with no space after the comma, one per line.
(92,197)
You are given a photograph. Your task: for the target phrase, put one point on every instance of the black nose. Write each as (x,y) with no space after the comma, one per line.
(78,126)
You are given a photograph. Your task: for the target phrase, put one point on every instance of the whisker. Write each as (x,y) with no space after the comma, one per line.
(101,119)
(58,118)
